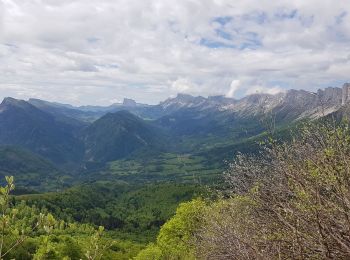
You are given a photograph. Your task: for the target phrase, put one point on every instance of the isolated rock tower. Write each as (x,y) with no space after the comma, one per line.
(129,102)
(346,94)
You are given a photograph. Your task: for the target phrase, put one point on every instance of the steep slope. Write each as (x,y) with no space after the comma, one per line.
(291,105)
(286,107)
(342,113)
(299,104)
(117,135)
(24,125)
(30,170)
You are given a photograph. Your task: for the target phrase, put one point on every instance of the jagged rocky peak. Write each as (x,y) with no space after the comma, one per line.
(346,93)
(129,102)
(183,100)
(301,98)
(256,103)
(330,96)
(259,97)
(188,98)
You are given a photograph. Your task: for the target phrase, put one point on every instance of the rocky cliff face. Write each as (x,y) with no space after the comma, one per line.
(291,105)
(346,93)
(129,102)
(330,96)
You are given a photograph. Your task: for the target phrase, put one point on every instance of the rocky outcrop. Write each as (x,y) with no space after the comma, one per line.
(129,102)
(346,93)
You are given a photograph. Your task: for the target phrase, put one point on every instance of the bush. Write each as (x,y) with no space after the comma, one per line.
(292,201)
(175,239)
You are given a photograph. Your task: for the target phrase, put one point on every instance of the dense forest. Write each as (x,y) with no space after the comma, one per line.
(114,219)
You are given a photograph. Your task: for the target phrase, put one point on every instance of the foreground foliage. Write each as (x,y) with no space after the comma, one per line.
(291,201)
(29,233)
(175,237)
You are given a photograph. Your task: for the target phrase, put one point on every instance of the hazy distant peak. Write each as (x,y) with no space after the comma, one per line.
(39,103)
(129,102)
(12,102)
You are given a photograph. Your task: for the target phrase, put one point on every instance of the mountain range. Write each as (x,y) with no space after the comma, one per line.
(68,139)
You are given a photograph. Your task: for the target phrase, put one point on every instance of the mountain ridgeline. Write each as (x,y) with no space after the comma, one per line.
(22,124)
(63,138)
(117,135)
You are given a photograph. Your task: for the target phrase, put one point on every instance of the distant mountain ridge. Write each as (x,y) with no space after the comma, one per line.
(22,124)
(305,103)
(214,111)
(75,138)
(287,106)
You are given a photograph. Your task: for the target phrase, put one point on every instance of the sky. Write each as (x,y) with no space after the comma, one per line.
(100,51)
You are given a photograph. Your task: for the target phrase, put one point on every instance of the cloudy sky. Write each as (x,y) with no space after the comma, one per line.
(100,51)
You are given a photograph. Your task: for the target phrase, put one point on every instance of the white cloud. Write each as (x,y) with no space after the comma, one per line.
(182,86)
(235,84)
(267,90)
(92,51)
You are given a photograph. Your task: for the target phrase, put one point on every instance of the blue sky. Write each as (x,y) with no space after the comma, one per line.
(100,51)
